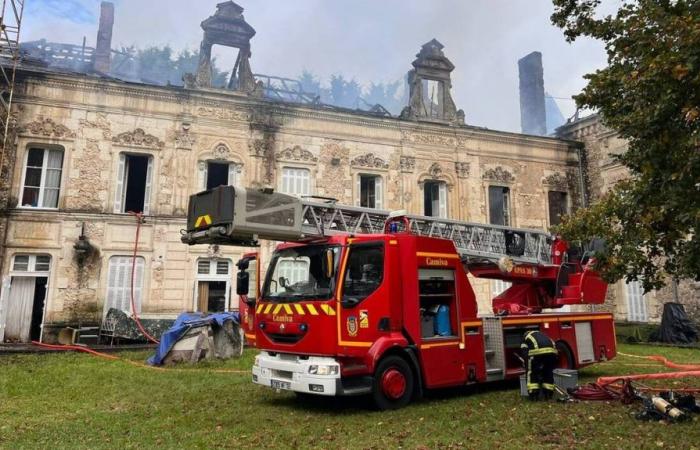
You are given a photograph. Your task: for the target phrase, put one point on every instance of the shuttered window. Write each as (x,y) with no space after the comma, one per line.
(499,205)
(119,284)
(296,181)
(370,191)
(134,181)
(435,199)
(636,302)
(218,173)
(42,178)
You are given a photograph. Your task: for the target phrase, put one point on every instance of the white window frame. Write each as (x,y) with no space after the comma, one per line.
(234,172)
(636,302)
(42,183)
(296,181)
(378,190)
(123,292)
(442,197)
(122,177)
(211,275)
(31,265)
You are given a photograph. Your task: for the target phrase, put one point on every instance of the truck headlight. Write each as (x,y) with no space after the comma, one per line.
(257,360)
(323,369)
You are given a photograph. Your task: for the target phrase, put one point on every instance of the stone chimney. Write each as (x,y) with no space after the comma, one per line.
(533,117)
(103,49)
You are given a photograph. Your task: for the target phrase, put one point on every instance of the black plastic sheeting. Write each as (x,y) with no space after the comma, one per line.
(676,327)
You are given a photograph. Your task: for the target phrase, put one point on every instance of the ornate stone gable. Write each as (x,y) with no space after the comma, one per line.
(499,174)
(370,161)
(296,153)
(407,164)
(221,151)
(138,138)
(46,127)
(462,169)
(435,171)
(557,181)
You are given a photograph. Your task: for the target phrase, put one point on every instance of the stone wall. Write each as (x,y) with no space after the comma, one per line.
(94,121)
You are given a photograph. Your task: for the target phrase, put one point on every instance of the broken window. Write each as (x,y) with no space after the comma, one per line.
(558,206)
(42,178)
(369,191)
(218,173)
(435,199)
(133,183)
(119,283)
(499,205)
(296,181)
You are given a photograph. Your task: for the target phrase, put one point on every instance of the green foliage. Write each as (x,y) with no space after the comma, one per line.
(650,94)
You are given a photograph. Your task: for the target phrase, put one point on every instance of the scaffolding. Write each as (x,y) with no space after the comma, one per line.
(10,24)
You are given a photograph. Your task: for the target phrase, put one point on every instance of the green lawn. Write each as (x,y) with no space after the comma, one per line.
(75,400)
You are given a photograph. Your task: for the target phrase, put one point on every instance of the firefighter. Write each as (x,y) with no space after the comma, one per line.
(540,356)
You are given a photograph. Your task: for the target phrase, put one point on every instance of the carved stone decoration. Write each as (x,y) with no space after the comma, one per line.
(435,171)
(261,148)
(369,160)
(221,151)
(407,164)
(45,126)
(214,251)
(184,139)
(462,169)
(557,181)
(296,153)
(138,138)
(223,113)
(100,123)
(499,174)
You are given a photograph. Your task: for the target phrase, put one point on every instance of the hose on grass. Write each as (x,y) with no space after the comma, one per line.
(89,351)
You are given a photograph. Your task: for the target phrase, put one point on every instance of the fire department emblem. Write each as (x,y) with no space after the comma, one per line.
(352,326)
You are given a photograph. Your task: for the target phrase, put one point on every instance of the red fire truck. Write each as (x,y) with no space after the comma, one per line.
(359,301)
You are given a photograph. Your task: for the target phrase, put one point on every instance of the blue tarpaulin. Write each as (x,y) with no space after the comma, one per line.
(182,324)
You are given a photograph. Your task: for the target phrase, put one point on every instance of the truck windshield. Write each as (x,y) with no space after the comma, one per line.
(301,273)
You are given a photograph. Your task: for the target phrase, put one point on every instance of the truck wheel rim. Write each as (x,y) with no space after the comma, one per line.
(393,384)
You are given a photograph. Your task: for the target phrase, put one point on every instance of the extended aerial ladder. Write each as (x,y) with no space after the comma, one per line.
(237,216)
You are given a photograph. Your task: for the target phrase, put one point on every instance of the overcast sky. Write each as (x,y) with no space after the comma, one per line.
(362,39)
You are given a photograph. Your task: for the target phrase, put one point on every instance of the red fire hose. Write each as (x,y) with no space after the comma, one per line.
(134,313)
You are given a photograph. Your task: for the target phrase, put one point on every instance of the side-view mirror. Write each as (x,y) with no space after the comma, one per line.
(242,283)
(283,282)
(327,263)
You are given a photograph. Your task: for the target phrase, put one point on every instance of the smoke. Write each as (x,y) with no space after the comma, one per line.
(365,40)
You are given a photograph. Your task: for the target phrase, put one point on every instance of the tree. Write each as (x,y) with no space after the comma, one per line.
(650,94)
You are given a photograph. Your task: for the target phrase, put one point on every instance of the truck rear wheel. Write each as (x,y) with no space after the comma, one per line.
(393,383)
(566,359)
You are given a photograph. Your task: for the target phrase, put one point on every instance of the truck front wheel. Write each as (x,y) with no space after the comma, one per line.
(393,383)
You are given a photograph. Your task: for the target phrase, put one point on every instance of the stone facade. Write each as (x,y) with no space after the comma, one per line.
(93,121)
(601,172)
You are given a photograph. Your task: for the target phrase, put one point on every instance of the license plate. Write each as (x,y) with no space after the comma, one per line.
(276,384)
